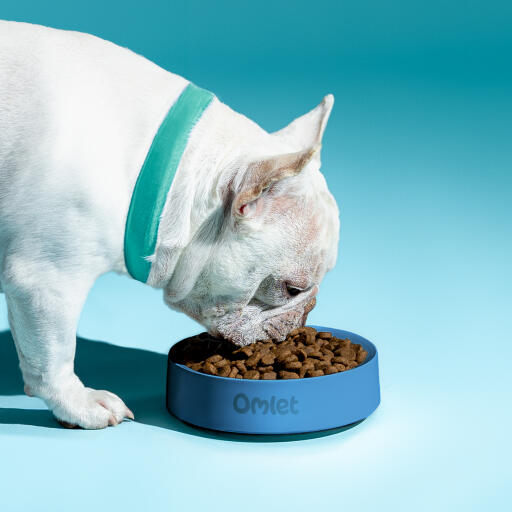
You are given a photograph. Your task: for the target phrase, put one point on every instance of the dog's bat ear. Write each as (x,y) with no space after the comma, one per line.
(262,173)
(308,130)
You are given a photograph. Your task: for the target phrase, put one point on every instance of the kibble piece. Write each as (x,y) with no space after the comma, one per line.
(238,376)
(241,366)
(309,364)
(210,369)
(288,375)
(283,354)
(310,339)
(301,354)
(221,362)
(268,358)
(293,365)
(253,360)
(340,367)
(316,354)
(315,373)
(214,358)
(326,351)
(324,335)
(233,372)
(330,370)
(269,376)
(320,365)
(349,352)
(252,374)
(361,355)
(246,351)
(223,371)
(340,359)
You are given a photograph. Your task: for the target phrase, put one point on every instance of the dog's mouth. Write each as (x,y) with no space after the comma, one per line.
(257,321)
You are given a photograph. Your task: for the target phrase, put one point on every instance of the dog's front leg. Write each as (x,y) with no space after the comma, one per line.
(43,315)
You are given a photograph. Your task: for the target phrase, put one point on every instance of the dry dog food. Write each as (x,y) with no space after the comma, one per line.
(304,353)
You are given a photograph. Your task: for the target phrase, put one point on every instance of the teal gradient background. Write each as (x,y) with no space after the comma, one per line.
(418,155)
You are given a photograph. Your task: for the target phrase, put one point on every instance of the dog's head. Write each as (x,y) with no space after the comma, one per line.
(253,268)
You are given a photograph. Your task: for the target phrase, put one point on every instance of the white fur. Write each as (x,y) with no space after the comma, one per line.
(77,116)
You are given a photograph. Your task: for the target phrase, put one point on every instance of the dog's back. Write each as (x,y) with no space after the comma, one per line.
(77,114)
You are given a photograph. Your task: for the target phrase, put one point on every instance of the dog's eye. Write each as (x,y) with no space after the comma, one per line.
(292,290)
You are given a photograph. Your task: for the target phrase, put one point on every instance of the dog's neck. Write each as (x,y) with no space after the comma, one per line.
(199,189)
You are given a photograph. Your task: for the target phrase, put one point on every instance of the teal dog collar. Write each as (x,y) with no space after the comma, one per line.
(155,179)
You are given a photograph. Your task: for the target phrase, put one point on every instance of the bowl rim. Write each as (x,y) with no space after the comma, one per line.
(371,355)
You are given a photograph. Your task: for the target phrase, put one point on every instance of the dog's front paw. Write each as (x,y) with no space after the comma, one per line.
(88,408)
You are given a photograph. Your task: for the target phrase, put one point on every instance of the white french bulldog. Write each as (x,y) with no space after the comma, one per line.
(247,233)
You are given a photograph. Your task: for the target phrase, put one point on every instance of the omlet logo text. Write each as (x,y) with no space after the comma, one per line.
(243,404)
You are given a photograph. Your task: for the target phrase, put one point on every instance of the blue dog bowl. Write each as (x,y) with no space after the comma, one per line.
(282,406)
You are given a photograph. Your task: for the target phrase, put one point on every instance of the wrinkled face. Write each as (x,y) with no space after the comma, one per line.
(253,268)
(263,271)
